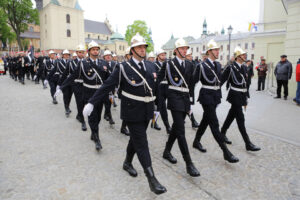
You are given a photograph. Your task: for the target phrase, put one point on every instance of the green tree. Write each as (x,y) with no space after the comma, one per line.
(6,35)
(19,14)
(140,27)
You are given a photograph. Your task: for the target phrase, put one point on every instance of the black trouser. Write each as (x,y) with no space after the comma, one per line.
(138,142)
(31,71)
(78,93)
(236,112)
(209,119)
(21,74)
(261,83)
(67,95)
(107,105)
(95,117)
(52,85)
(283,83)
(162,107)
(178,132)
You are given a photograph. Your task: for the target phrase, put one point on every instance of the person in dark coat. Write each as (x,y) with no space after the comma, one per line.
(283,72)
(261,73)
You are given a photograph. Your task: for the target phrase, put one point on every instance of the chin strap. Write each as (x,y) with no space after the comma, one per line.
(138,54)
(180,53)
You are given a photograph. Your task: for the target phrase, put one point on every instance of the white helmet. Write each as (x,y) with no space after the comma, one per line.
(181,43)
(151,55)
(138,40)
(80,48)
(107,52)
(66,51)
(93,44)
(212,45)
(238,51)
(51,52)
(160,51)
(189,52)
(74,54)
(114,55)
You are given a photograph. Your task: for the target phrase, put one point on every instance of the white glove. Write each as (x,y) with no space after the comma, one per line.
(45,82)
(87,110)
(58,91)
(57,87)
(35,76)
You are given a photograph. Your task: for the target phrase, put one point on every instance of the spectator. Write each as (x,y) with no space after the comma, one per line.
(250,73)
(283,72)
(297,98)
(262,73)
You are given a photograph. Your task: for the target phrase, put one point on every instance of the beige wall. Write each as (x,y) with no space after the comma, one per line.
(54,27)
(96,35)
(274,15)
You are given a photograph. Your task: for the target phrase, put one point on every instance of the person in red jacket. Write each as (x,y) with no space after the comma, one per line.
(297,98)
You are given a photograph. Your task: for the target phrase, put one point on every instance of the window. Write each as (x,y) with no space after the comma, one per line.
(30,28)
(221,47)
(68,18)
(45,19)
(228,58)
(246,45)
(203,48)
(252,56)
(253,45)
(89,36)
(98,37)
(197,49)
(123,47)
(239,45)
(221,57)
(107,38)
(120,47)
(170,53)
(68,33)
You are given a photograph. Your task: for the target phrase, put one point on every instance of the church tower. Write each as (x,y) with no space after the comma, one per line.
(204,28)
(61,24)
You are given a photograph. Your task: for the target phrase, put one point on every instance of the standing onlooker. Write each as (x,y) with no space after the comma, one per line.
(250,74)
(297,98)
(262,73)
(283,72)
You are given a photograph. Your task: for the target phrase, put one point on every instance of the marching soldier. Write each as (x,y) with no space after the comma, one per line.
(74,56)
(20,64)
(115,58)
(93,73)
(189,57)
(29,66)
(236,75)
(107,103)
(136,83)
(179,75)
(162,90)
(209,74)
(52,72)
(42,71)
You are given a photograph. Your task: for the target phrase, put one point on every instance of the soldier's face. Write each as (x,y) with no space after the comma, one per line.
(108,58)
(66,56)
(162,56)
(151,59)
(115,58)
(182,51)
(216,52)
(80,54)
(189,57)
(94,51)
(140,50)
(52,56)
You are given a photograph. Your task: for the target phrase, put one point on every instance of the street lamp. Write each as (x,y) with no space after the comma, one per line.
(229,33)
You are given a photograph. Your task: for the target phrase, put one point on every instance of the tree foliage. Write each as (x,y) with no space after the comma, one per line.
(19,13)
(140,27)
(6,35)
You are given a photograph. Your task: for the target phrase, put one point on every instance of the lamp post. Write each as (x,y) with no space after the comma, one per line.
(229,33)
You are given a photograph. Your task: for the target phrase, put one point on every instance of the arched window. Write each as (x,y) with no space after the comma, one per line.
(68,33)
(45,19)
(68,18)
(98,37)
(89,36)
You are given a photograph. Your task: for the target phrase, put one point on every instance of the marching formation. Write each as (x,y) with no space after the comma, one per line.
(147,87)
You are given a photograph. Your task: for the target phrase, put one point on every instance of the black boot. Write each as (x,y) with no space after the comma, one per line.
(115,104)
(168,156)
(68,111)
(124,130)
(98,145)
(83,126)
(228,155)
(226,140)
(198,145)
(155,126)
(190,168)
(168,127)
(54,100)
(155,186)
(111,121)
(252,147)
(195,124)
(127,166)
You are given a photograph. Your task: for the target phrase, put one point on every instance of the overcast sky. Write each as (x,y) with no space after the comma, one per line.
(182,18)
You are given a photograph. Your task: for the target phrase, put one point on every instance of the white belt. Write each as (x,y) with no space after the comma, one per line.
(91,86)
(211,87)
(238,89)
(139,98)
(78,80)
(164,82)
(57,73)
(180,89)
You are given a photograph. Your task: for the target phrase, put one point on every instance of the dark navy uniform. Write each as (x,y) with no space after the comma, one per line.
(54,72)
(236,77)
(180,94)
(93,75)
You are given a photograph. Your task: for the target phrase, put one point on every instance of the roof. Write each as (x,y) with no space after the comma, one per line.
(171,43)
(117,36)
(55,2)
(96,27)
(77,6)
(88,40)
(28,34)
(236,36)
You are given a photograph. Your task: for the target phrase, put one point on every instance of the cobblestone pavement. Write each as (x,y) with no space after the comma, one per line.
(43,155)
